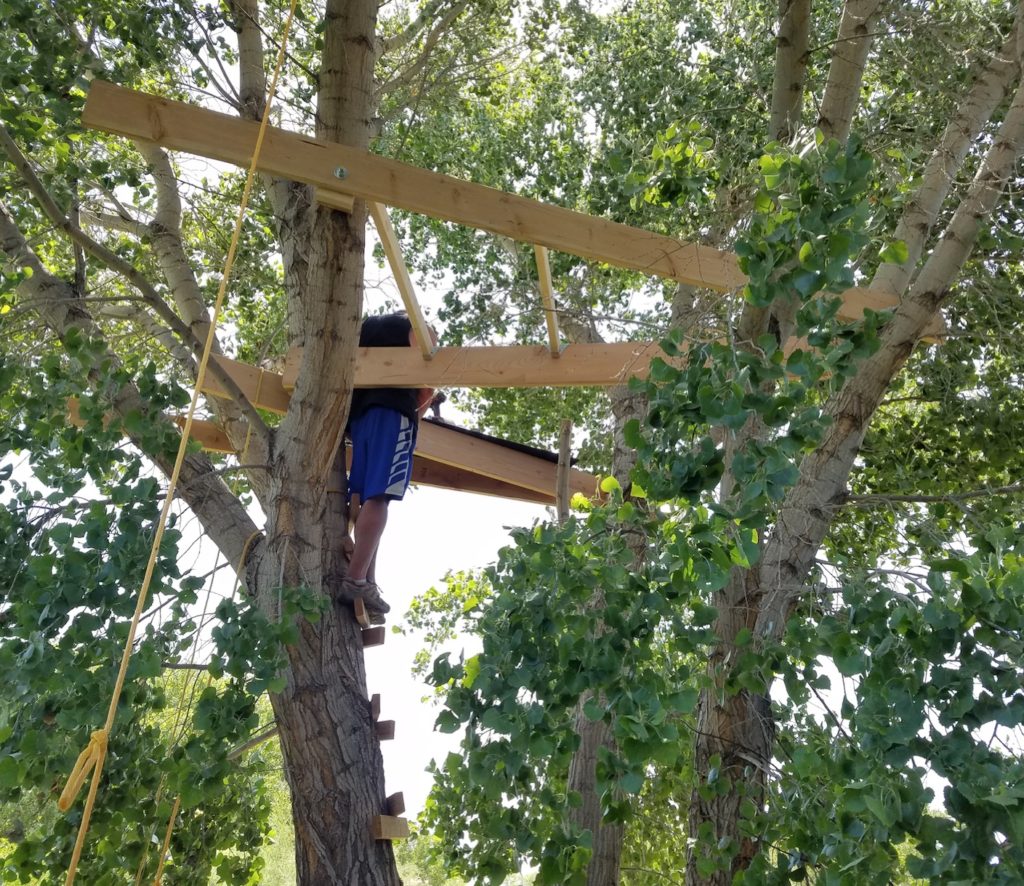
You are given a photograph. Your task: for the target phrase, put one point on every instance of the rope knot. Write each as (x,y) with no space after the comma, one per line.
(91,758)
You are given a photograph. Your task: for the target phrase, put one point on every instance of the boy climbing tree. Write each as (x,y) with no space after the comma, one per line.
(382,427)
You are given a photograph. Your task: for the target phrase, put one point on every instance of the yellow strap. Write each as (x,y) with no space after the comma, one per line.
(91,759)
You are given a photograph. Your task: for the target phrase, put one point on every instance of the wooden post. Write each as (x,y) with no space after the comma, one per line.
(564,470)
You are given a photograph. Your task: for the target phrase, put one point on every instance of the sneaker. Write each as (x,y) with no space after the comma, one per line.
(368,592)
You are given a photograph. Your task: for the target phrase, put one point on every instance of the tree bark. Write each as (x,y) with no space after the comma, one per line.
(606,857)
(790,65)
(846,73)
(332,756)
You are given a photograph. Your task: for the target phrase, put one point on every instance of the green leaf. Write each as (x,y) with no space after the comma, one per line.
(895,253)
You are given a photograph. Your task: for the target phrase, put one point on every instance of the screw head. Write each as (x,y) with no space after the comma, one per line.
(340,172)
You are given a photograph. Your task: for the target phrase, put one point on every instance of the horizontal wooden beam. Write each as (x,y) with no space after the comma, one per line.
(447,446)
(384,730)
(395,804)
(334,200)
(503,366)
(332,167)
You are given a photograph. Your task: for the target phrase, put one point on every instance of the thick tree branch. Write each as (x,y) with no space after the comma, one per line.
(113,261)
(846,73)
(805,515)
(790,65)
(165,235)
(291,201)
(222,515)
(987,92)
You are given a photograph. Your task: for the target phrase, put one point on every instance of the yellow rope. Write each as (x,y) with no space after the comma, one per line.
(90,761)
(167,842)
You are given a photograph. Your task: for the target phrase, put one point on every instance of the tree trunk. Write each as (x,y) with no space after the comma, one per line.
(606,859)
(732,753)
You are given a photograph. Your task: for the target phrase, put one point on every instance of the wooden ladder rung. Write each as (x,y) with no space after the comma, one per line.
(375,706)
(385,729)
(389,827)
(359,610)
(395,804)
(373,636)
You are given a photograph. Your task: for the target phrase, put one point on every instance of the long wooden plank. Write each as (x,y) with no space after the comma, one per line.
(503,366)
(334,167)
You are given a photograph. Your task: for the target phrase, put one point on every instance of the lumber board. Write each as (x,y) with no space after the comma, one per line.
(333,167)
(395,804)
(262,387)
(449,447)
(496,366)
(389,827)
(384,730)
(435,443)
(373,636)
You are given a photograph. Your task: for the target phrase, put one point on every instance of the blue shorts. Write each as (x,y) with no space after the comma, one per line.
(383,441)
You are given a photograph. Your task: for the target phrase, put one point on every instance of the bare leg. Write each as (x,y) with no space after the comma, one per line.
(373,517)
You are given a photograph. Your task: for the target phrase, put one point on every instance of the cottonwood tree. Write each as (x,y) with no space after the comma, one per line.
(120,282)
(945,142)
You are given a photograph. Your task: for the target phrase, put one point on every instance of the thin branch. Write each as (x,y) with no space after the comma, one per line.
(953,497)
(111,222)
(408,34)
(424,54)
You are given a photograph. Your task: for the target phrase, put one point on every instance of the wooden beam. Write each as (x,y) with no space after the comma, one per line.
(389,240)
(435,443)
(389,827)
(501,366)
(333,167)
(384,730)
(262,387)
(547,296)
(334,200)
(375,706)
(395,804)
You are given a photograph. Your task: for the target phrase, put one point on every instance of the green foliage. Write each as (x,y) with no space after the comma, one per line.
(610,613)
(75,541)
